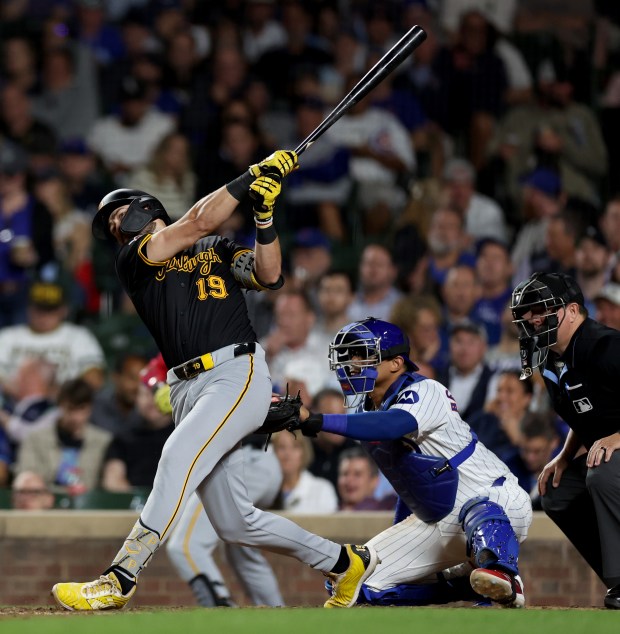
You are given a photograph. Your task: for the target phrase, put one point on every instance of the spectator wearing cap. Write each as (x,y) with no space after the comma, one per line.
(25,234)
(376,293)
(592,263)
(467,375)
(317,195)
(125,141)
(48,334)
(543,197)
(607,302)
(483,216)
(552,131)
(494,273)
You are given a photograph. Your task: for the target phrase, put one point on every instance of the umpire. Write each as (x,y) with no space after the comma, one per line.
(579,360)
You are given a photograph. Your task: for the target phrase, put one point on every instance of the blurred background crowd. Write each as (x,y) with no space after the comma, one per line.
(487,155)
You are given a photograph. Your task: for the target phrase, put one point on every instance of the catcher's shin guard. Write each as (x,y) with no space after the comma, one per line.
(136,552)
(491,540)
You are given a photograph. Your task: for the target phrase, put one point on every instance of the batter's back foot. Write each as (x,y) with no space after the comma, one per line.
(346,586)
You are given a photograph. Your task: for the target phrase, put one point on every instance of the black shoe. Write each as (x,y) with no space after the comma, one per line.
(612,598)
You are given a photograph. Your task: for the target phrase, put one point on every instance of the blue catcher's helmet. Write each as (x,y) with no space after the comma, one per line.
(358,348)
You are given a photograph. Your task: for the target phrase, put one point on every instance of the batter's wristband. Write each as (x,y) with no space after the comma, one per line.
(266,235)
(240,186)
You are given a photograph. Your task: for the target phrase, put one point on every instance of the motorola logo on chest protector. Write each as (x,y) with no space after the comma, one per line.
(582,405)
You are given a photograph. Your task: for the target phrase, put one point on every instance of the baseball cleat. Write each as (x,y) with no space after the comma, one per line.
(102,594)
(346,586)
(498,586)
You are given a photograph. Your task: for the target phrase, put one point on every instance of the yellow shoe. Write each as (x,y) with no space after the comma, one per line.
(346,586)
(102,594)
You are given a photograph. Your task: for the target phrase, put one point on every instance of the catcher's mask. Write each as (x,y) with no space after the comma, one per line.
(543,295)
(358,348)
(143,209)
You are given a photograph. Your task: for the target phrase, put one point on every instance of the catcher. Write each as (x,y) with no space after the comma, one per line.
(461,513)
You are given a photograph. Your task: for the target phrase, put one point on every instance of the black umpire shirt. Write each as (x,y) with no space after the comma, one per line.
(584,382)
(191,304)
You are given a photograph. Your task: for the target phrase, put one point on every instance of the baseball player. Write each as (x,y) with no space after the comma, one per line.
(186,285)
(579,360)
(191,545)
(460,510)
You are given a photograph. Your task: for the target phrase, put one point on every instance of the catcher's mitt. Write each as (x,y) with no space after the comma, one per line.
(283,412)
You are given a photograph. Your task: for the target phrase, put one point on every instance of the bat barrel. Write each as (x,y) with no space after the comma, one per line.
(393,58)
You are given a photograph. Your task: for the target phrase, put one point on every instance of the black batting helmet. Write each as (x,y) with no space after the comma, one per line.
(143,208)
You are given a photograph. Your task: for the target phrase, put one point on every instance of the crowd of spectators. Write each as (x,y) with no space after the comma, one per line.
(487,155)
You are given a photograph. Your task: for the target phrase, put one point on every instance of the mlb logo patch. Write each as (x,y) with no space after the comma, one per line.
(582,405)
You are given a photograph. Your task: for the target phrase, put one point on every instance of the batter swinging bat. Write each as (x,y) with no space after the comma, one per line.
(395,56)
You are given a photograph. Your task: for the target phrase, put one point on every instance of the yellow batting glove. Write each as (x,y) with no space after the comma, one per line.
(281,163)
(265,190)
(162,398)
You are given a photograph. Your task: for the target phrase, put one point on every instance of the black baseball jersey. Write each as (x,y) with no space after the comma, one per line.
(584,382)
(192,304)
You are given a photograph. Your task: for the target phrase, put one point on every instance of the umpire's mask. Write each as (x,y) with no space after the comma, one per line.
(542,295)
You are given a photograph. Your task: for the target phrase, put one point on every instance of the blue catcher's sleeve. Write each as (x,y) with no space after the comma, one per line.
(386,425)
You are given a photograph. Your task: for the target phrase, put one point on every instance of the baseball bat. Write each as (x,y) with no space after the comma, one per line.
(393,58)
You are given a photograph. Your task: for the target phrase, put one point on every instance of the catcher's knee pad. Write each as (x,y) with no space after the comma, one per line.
(491,539)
